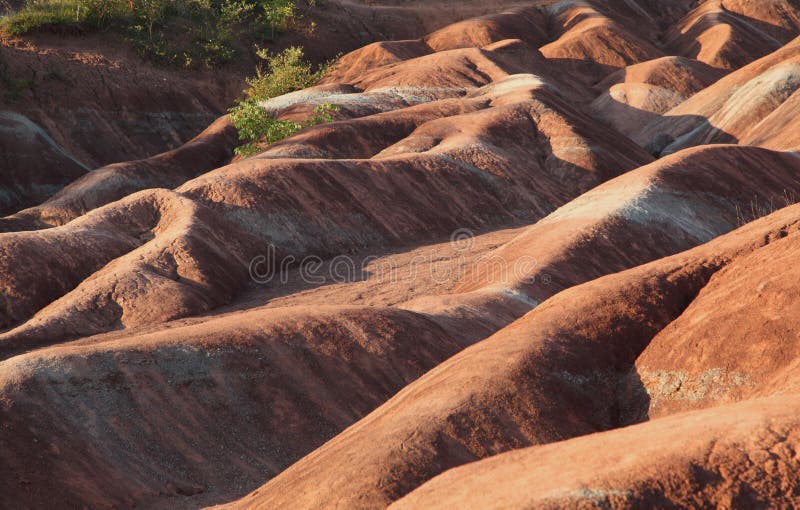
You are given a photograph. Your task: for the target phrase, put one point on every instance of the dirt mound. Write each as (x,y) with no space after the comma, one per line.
(262,388)
(591,46)
(152,247)
(35,166)
(728,109)
(730,34)
(210,149)
(630,107)
(351,66)
(678,74)
(479,254)
(525,24)
(734,456)
(779,129)
(552,375)
(638,95)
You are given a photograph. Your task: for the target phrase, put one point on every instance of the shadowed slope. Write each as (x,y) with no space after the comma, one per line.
(144,363)
(635,96)
(590,45)
(741,334)
(725,111)
(207,351)
(208,150)
(34,166)
(551,375)
(727,34)
(517,160)
(199,410)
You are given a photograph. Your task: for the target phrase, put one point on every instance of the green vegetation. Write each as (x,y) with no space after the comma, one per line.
(60,14)
(172,32)
(284,72)
(258,128)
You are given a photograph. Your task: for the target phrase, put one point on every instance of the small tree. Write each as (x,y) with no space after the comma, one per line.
(284,72)
(280,14)
(257,127)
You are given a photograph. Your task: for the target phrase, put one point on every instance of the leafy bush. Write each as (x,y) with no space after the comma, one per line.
(284,72)
(190,32)
(172,32)
(280,14)
(257,127)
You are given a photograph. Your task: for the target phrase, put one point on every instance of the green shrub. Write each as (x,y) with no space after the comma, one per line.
(170,32)
(284,72)
(62,14)
(257,127)
(188,32)
(280,14)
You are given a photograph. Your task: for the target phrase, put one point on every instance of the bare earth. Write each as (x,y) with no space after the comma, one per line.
(545,257)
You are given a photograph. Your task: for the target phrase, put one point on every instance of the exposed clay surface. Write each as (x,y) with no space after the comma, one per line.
(545,256)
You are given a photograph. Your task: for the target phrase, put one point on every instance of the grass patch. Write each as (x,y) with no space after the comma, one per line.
(282,73)
(189,33)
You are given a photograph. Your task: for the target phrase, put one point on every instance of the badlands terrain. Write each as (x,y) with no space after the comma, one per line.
(545,256)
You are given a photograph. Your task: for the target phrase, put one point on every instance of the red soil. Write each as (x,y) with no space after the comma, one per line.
(620,332)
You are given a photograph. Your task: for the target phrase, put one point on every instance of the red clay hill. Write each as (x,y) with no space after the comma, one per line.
(545,256)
